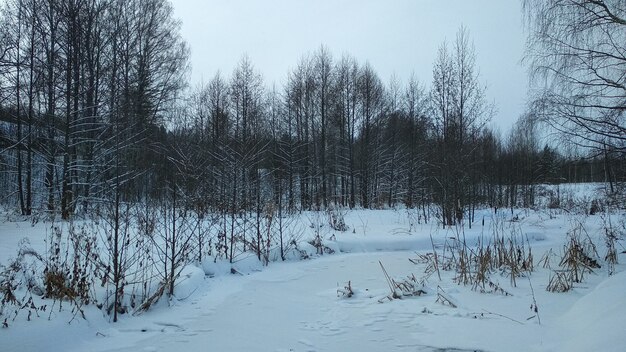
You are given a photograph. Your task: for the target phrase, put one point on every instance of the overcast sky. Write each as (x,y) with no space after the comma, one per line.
(396,37)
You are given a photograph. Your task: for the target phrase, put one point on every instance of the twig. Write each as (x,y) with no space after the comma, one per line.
(503,316)
(443,298)
(534,307)
(389,281)
(432,243)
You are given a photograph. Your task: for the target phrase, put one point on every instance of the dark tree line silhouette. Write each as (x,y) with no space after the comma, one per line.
(94,109)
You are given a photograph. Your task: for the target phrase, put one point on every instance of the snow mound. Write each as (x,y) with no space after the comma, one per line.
(190,279)
(213,268)
(597,320)
(241,266)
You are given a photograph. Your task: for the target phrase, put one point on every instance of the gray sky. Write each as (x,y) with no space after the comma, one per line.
(395,36)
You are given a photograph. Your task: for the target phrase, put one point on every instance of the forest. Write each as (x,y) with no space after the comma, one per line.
(94,106)
(98,122)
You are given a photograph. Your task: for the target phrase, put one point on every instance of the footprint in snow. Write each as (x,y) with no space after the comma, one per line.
(333,332)
(310,346)
(306,342)
(374,320)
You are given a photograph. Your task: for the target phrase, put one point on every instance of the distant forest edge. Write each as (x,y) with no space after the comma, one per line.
(95,110)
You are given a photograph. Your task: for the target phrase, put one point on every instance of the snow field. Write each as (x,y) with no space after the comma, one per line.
(295,305)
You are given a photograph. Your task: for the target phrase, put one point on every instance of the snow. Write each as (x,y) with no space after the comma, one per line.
(297,305)
(597,320)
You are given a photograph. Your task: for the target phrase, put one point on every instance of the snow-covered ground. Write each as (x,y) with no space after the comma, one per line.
(298,305)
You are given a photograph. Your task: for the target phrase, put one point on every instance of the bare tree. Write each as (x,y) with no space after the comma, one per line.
(347,118)
(416,108)
(577,54)
(300,105)
(324,72)
(371,99)
(442,97)
(460,112)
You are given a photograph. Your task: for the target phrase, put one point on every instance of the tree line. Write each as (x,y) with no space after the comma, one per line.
(84,88)
(94,108)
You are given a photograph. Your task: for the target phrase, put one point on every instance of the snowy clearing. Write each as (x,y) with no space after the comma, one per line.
(301,306)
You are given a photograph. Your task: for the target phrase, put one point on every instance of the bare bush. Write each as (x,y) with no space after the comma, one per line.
(405,287)
(560,281)
(336,219)
(510,255)
(579,258)
(579,254)
(610,239)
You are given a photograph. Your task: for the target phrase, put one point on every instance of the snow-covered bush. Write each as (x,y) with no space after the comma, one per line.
(21,284)
(321,246)
(346,291)
(336,219)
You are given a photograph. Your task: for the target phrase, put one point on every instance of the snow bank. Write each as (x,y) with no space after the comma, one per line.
(190,279)
(356,245)
(295,306)
(597,321)
(241,265)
